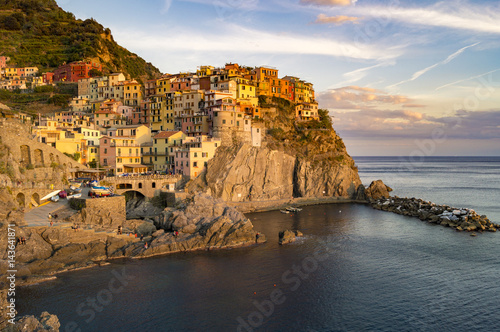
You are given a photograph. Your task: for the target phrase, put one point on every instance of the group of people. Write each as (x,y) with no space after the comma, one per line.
(21,240)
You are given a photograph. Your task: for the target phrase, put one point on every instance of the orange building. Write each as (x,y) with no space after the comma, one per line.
(74,71)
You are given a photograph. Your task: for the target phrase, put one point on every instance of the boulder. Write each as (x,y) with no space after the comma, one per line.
(146,228)
(45,323)
(377,190)
(286,236)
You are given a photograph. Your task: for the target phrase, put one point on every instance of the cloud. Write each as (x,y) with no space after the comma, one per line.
(337,20)
(425,70)
(332,3)
(448,14)
(390,124)
(468,79)
(242,40)
(358,74)
(355,97)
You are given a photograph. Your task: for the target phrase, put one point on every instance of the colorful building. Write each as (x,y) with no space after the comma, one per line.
(192,158)
(74,71)
(161,154)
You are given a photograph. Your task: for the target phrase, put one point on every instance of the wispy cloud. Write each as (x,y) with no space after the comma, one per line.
(359,74)
(332,3)
(337,20)
(237,39)
(355,97)
(425,70)
(386,124)
(450,14)
(467,79)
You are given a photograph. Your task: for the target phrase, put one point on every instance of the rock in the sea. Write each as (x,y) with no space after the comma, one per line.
(287,236)
(377,190)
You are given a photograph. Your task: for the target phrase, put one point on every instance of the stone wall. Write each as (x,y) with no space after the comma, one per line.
(104,212)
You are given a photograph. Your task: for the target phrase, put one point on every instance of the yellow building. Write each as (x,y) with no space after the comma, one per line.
(163,85)
(128,141)
(307,111)
(161,153)
(192,158)
(132,93)
(162,112)
(75,145)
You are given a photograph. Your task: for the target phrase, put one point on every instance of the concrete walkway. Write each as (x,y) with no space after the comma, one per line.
(40,216)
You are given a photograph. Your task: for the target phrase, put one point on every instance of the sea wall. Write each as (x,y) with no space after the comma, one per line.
(461,219)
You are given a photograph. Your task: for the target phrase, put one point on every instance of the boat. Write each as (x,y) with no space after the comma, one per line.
(74,196)
(293,209)
(284,211)
(52,194)
(99,191)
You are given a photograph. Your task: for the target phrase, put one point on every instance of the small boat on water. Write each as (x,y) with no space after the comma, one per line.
(293,209)
(284,211)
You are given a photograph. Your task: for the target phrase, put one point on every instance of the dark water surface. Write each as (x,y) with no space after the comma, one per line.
(356,269)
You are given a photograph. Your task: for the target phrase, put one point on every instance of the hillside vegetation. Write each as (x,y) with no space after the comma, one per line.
(39,33)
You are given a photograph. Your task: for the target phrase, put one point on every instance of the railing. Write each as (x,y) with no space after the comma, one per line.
(133,176)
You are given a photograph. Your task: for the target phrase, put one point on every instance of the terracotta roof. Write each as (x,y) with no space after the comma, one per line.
(166,134)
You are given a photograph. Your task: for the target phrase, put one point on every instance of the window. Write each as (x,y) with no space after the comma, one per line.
(196,154)
(223,121)
(195,164)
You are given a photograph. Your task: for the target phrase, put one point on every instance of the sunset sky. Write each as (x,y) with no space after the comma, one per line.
(400,77)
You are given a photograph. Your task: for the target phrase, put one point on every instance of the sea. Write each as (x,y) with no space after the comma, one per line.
(355,268)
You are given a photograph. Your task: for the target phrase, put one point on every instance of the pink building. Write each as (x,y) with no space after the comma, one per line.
(3,61)
(180,84)
(107,153)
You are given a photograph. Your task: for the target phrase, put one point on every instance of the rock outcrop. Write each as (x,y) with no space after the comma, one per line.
(251,173)
(462,219)
(377,190)
(288,236)
(45,323)
(201,222)
(260,174)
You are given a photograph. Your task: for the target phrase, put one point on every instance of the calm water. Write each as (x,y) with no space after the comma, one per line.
(356,269)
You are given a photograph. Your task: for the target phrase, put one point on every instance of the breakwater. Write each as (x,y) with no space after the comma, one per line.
(461,219)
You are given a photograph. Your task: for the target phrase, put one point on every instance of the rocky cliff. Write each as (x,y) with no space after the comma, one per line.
(296,159)
(200,222)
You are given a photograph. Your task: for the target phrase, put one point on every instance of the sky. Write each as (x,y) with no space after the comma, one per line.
(412,78)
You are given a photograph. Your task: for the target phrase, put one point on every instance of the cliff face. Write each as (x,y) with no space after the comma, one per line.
(251,174)
(325,179)
(258,174)
(297,159)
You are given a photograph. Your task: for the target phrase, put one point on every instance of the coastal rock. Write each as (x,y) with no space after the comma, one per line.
(251,173)
(246,173)
(325,178)
(45,323)
(378,190)
(146,228)
(459,219)
(287,236)
(35,248)
(202,222)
